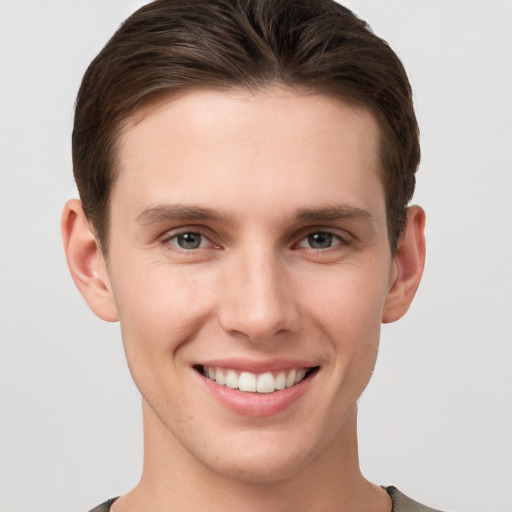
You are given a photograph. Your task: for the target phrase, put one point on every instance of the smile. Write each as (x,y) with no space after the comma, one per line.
(267,382)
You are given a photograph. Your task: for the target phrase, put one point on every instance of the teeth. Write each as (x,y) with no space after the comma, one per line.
(281,380)
(232,379)
(290,380)
(249,382)
(219,377)
(300,375)
(266,383)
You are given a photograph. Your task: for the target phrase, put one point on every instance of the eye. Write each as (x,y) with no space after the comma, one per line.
(189,241)
(321,240)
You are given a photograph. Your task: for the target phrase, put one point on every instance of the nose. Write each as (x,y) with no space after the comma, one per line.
(259,301)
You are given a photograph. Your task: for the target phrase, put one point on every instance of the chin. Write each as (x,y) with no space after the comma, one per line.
(259,470)
(259,459)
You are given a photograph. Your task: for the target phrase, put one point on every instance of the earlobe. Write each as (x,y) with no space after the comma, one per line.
(86,262)
(408,262)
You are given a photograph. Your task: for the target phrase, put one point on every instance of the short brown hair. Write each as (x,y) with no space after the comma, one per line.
(169,46)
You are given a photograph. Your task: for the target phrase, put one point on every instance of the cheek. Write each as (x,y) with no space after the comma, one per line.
(160,311)
(160,308)
(350,298)
(347,307)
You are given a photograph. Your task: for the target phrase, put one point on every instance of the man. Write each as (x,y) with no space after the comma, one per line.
(245,169)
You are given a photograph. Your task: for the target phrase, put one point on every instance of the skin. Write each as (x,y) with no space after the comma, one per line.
(271,169)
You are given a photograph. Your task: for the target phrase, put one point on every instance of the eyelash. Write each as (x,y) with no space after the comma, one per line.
(341,240)
(168,240)
(331,236)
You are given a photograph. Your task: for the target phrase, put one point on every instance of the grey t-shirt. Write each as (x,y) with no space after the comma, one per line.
(401,503)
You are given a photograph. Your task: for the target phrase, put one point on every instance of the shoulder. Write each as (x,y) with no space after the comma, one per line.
(104,507)
(402,503)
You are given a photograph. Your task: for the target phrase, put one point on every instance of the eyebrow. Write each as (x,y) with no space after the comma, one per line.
(336,212)
(164,212)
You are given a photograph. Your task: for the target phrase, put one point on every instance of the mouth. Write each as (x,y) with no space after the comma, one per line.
(262,383)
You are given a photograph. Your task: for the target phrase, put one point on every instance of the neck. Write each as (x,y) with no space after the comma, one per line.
(173,479)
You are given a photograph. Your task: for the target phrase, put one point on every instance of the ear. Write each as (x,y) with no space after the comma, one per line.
(86,263)
(408,263)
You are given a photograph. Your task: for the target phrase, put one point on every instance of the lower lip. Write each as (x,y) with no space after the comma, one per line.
(256,405)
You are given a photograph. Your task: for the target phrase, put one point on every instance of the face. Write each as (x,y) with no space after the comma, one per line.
(250,267)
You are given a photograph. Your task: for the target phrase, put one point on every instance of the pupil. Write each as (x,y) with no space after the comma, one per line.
(189,240)
(320,240)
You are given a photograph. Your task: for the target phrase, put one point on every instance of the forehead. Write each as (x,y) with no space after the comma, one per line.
(250,148)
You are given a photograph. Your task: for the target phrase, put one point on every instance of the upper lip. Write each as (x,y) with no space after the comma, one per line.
(258,366)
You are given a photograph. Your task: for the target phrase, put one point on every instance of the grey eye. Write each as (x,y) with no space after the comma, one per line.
(320,240)
(189,240)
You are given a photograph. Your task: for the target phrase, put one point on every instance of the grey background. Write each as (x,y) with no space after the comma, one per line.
(436,419)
